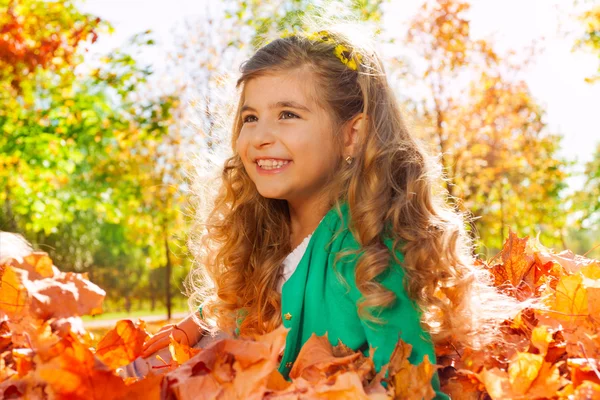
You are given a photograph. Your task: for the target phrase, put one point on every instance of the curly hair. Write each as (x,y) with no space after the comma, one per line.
(392,190)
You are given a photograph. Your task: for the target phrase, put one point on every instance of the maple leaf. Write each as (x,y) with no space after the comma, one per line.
(317,360)
(587,390)
(569,305)
(568,260)
(516,262)
(232,368)
(539,380)
(64,295)
(122,344)
(148,388)
(541,337)
(410,381)
(181,352)
(13,295)
(583,369)
(523,370)
(72,371)
(37,264)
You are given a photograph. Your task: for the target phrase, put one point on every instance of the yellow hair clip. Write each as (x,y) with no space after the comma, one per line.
(344,55)
(340,51)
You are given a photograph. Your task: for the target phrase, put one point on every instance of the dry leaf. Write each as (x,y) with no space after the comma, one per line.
(122,344)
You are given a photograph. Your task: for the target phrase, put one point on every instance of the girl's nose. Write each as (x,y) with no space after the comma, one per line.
(264,135)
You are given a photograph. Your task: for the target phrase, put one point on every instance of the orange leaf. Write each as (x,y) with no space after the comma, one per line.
(571,262)
(515,261)
(587,390)
(40,263)
(181,352)
(496,383)
(407,380)
(277,382)
(583,369)
(24,361)
(317,361)
(71,371)
(122,344)
(547,382)
(231,368)
(13,295)
(148,388)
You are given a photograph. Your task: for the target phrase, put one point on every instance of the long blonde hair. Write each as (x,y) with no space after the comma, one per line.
(392,182)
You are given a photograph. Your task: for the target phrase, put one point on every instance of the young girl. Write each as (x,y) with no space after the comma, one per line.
(330,218)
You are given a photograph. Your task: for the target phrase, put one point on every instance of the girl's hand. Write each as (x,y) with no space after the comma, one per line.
(185,332)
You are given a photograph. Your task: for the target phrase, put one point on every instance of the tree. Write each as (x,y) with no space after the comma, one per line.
(591,36)
(493,144)
(81,152)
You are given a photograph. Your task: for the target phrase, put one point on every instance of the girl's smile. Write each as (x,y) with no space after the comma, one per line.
(265,166)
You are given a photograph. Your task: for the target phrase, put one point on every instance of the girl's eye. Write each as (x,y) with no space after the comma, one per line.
(288,113)
(284,115)
(248,118)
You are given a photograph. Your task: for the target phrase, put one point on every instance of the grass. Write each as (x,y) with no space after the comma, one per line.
(134,313)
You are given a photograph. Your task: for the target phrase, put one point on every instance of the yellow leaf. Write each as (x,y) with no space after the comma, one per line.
(181,352)
(541,338)
(522,371)
(570,302)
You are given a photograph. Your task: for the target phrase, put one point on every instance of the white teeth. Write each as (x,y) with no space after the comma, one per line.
(271,164)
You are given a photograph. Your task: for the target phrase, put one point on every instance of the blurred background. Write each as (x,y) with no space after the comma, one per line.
(108,107)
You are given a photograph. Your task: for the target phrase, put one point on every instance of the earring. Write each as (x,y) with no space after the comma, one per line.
(349,160)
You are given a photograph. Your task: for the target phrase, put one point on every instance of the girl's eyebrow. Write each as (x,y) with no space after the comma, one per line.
(279,104)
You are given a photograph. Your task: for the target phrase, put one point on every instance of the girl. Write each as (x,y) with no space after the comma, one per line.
(329,218)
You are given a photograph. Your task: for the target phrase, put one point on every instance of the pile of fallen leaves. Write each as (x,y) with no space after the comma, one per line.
(552,351)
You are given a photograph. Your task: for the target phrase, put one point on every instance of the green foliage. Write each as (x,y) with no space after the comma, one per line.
(80,155)
(586,202)
(268,19)
(591,36)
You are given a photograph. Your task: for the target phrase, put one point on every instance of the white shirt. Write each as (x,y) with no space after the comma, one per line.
(291,262)
(293,259)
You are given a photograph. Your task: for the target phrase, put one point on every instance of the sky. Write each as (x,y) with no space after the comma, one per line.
(556,79)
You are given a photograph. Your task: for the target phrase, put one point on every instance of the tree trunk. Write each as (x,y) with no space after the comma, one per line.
(11,224)
(168,274)
(127,304)
(152,298)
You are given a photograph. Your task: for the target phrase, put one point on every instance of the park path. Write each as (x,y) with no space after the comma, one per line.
(109,323)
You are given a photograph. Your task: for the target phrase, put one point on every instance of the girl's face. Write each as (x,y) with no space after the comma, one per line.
(286,142)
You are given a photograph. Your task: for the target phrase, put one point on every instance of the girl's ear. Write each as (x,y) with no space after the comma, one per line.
(352,132)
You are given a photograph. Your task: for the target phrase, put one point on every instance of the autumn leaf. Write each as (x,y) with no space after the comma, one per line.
(72,371)
(122,344)
(181,352)
(232,368)
(148,388)
(541,338)
(23,359)
(317,360)
(539,379)
(583,369)
(13,295)
(462,387)
(410,381)
(523,370)
(568,260)
(568,304)
(515,261)
(587,390)
(37,264)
